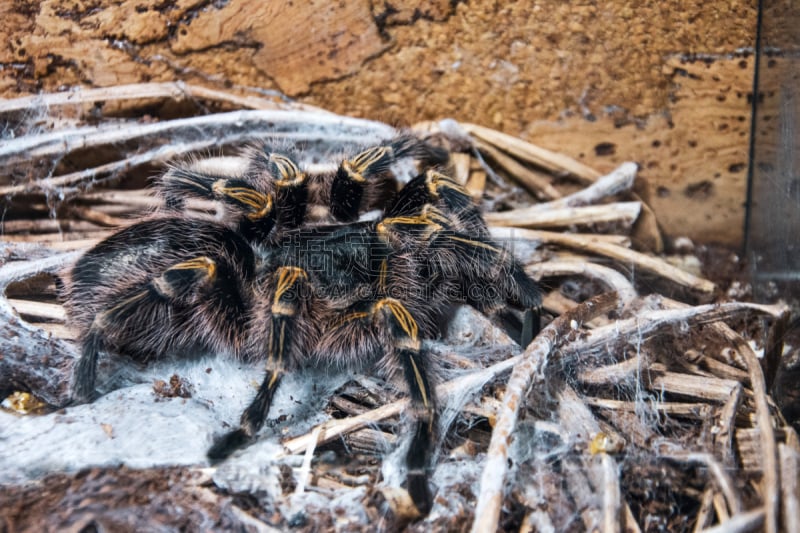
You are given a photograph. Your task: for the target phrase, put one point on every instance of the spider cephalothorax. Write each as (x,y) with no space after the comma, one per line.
(266,284)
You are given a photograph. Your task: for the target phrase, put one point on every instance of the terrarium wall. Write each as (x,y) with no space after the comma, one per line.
(773,244)
(667,84)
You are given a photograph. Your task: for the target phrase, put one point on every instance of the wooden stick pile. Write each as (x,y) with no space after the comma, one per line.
(630,411)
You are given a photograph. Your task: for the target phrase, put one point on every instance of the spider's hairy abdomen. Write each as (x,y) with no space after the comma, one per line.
(123,266)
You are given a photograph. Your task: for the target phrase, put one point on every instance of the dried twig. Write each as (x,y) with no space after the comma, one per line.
(137,91)
(624,213)
(109,170)
(613,280)
(704,515)
(725,426)
(611,495)
(33,359)
(332,429)
(716,470)
(790,487)
(305,469)
(243,125)
(551,161)
(635,260)
(533,361)
(620,180)
(749,521)
(769,452)
(534,182)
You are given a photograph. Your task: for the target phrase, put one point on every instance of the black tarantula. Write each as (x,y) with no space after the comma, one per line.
(265,283)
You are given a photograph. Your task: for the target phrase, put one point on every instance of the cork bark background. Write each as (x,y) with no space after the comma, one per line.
(667,84)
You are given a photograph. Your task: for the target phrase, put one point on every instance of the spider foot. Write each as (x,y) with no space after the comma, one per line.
(420,492)
(227,444)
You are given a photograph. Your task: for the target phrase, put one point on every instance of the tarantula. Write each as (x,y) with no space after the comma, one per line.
(264,283)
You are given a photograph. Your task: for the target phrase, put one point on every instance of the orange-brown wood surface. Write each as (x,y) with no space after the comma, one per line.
(665,84)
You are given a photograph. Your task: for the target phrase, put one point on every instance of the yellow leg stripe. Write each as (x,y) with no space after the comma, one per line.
(186,181)
(289,173)
(382,275)
(287,276)
(347,318)
(474,243)
(420,220)
(127,301)
(273,379)
(431,217)
(259,203)
(401,314)
(420,382)
(198,263)
(281,343)
(101,319)
(434,215)
(352,173)
(363,160)
(437,180)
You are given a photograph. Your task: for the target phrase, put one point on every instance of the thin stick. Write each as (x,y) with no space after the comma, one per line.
(723,439)
(629,257)
(704,515)
(97,217)
(620,180)
(551,161)
(161,154)
(616,182)
(137,91)
(703,388)
(613,280)
(611,494)
(537,184)
(697,411)
(332,429)
(305,469)
(39,309)
(534,358)
(723,482)
(47,225)
(585,481)
(624,213)
(721,508)
(717,367)
(630,521)
(749,521)
(618,372)
(790,488)
(249,124)
(769,453)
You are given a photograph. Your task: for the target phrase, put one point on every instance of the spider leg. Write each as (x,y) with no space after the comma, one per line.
(365,180)
(289,182)
(490,280)
(249,208)
(94,342)
(353,178)
(407,351)
(436,189)
(176,285)
(290,281)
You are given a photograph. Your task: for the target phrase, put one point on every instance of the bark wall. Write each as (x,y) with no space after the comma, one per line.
(666,83)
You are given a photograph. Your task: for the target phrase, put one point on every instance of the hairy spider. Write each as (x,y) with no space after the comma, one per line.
(267,284)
